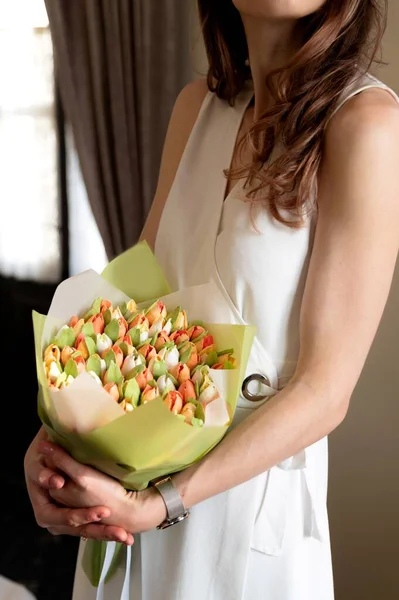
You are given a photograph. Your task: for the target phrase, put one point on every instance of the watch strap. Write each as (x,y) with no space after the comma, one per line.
(175,509)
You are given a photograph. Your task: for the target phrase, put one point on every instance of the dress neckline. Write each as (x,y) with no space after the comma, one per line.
(243,100)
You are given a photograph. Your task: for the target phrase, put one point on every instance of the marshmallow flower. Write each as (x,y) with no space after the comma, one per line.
(133,379)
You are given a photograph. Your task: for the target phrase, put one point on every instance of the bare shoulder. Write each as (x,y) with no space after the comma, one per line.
(190,99)
(184,115)
(370,115)
(360,159)
(182,120)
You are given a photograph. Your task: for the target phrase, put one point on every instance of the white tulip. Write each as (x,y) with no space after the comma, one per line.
(143,336)
(165,384)
(95,377)
(129,363)
(168,327)
(54,372)
(209,394)
(103,342)
(156,327)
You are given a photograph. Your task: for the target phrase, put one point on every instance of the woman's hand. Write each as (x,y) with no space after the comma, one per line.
(87,487)
(42,480)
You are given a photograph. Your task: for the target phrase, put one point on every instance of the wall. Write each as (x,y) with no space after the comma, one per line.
(364,450)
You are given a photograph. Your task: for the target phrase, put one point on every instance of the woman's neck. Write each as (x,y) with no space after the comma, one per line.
(270,45)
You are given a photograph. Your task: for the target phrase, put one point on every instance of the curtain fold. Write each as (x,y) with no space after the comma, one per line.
(120,65)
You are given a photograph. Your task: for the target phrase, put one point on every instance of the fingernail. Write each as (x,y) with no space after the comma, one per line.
(46,449)
(102,514)
(55,482)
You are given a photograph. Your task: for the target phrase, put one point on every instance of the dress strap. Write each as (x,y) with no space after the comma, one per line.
(360,84)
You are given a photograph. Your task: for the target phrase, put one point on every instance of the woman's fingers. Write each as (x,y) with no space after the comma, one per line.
(50,479)
(61,460)
(45,477)
(108,533)
(52,516)
(95,531)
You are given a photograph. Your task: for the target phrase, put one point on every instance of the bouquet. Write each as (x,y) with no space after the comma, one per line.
(140,355)
(134,380)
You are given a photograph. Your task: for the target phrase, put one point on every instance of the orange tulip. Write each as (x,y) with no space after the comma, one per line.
(155,312)
(180,372)
(123,327)
(118,355)
(140,321)
(179,336)
(187,390)
(195,331)
(77,328)
(174,401)
(189,355)
(188,411)
(66,354)
(147,351)
(80,337)
(105,305)
(112,389)
(98,322)
(161,340)
(73,320)
(80,362)
(143,378)
(206,342)
(127,347)
(223,359)
(149,393)
(82,347)
(52,352)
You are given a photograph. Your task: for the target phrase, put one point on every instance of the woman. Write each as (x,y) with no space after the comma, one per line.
(302,238)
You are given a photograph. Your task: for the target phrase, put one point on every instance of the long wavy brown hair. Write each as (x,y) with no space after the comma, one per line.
(340,41)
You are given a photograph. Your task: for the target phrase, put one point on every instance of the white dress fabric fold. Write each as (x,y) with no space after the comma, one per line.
(267,539)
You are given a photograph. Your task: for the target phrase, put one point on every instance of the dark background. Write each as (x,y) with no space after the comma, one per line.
(31,556)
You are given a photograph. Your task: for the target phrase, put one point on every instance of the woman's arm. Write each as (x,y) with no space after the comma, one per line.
(348,282)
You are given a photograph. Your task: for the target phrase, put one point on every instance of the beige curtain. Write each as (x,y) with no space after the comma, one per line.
(120,65)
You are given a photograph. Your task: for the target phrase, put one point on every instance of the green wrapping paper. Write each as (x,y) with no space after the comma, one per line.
(151,441)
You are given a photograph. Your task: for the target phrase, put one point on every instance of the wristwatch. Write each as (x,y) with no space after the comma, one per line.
(174,506)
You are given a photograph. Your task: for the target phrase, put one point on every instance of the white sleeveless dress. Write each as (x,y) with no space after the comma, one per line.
(267,539)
